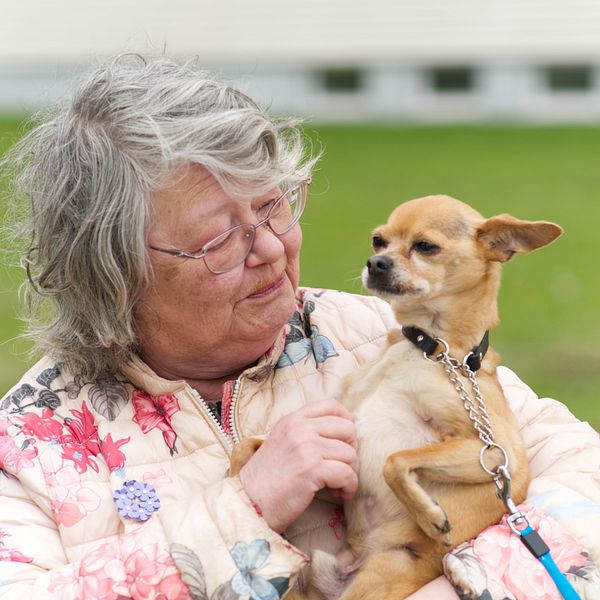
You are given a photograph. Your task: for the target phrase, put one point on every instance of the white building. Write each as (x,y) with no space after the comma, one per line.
(534,60)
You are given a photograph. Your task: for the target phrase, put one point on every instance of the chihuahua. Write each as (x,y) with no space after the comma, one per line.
(422,487)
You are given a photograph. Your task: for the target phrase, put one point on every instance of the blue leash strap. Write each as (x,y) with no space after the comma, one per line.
(530,537)
(535,544)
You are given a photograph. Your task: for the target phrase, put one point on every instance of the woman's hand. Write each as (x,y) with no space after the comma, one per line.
(306,451)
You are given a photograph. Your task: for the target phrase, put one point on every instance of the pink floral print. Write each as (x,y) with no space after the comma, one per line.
(76,435)
(121,569)
(156,478)
(155,412)
(502,553)
(10,554)
(70,500)
(81,442)
(44,427)
(115,459)
(13,457)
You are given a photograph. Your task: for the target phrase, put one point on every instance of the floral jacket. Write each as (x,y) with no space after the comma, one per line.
(118,488)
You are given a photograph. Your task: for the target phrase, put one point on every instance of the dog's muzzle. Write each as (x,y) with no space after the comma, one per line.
(380,266)
(379,275)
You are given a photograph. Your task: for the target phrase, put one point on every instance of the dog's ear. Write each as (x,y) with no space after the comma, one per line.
(502,236)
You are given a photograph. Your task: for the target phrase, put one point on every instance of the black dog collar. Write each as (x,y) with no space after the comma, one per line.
(429,345)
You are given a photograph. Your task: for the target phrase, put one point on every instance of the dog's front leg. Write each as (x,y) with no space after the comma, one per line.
(242,452)
(451,461)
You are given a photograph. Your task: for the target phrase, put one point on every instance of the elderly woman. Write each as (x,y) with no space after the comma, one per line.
(163,265)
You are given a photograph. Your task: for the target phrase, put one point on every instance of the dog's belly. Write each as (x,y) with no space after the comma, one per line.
(380,435)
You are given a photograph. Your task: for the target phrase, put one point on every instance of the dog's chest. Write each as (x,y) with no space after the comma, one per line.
(413,400)
(412,405)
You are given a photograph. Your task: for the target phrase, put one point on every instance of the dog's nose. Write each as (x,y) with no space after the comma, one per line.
(379,264)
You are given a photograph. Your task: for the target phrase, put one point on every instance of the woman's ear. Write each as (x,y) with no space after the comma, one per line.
(502,236)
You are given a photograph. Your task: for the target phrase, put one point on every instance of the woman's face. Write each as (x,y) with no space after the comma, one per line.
(193,324)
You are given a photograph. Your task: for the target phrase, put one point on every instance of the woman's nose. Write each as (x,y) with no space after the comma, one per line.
(266,248)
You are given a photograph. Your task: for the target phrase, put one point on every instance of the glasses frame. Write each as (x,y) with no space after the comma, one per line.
(201,253)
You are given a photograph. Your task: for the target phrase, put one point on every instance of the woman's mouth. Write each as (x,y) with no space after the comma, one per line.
(270,288)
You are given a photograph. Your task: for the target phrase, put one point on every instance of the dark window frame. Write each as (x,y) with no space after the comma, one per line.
(456,79)
(568,78)
(341,80)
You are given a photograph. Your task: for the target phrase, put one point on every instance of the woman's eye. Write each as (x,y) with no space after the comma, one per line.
(264,209)
(378,242)
(425,247)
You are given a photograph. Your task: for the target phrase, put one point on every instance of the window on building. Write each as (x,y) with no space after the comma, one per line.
(452,79)
(343,80)
(568,78)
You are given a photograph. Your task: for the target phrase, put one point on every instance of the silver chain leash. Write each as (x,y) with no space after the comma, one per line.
(477,411)
(479,416)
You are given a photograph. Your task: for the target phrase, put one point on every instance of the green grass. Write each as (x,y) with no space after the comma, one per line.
(13,351)
(549,300)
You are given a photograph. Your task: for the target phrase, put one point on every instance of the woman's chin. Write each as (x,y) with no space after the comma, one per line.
(266,317)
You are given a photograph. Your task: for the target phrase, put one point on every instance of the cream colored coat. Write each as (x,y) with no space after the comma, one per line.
(67,446)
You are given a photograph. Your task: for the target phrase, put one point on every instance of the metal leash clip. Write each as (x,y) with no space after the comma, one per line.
(531,539)
(517,520)
(503,483)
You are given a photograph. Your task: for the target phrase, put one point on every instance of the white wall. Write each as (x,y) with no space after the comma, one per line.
(274,47)
(43,32)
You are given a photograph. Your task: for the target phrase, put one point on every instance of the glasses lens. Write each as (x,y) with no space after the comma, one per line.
(229,249)
(287,211)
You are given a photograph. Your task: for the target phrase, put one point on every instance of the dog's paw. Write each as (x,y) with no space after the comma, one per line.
(434,522)
(242,452)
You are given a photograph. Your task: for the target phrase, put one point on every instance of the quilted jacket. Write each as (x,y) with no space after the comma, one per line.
(118,488)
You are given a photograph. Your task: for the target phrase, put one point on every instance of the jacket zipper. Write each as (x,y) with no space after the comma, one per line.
(232,424)
(217,425)
(235,437)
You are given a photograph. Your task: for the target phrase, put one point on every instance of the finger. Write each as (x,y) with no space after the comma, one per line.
(337,428)
(325,407)
(338,475)
(340,451)
(340,494)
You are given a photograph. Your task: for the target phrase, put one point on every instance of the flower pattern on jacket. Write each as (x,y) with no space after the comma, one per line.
(81,443)
(73,445)
(115,459)
(11,554)
(303,339)
(155,412)
(246,582)
(76,435)
(503,553)
(121,569)
(497,562)
(15,457)
(42,427)
(70,500)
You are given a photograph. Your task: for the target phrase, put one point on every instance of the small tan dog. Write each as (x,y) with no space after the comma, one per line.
(422,489)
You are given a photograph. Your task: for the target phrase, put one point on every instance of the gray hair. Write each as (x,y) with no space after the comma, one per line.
(88,176)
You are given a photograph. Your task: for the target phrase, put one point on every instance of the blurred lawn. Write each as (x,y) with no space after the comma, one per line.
(549,301)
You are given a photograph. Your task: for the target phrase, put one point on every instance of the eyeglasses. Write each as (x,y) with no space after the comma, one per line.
(229,249)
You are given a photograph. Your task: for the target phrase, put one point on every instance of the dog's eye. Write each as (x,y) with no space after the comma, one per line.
(378,242)
(425,247)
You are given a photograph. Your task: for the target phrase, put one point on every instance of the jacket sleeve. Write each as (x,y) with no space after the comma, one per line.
(214,546)
(563,503)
